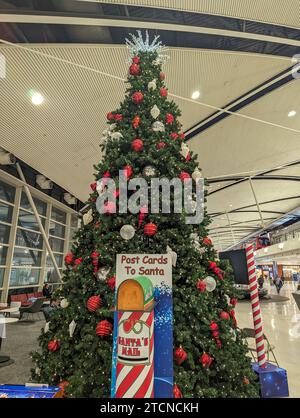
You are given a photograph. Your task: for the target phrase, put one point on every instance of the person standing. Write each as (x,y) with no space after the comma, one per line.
(278,284)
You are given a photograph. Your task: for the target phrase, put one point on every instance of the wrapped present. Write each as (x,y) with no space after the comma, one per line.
(273,381)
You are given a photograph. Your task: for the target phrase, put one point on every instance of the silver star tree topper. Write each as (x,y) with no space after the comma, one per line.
(137,44)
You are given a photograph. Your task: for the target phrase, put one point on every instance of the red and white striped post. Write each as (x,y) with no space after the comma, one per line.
(255,305)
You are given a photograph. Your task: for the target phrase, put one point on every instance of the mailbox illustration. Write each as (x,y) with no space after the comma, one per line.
(135,339)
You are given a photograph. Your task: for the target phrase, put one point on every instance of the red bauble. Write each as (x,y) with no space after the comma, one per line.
(103,328)
(219,344)
(136,60)
(169,118)
(224,315)
(92,199)
(93,303)
(110,116)
(201,286)
(137,145)
(69,258)
(174,135)
(212,265)
(116,193)
(207,241)
(215,334)
(95,262)
(111,282)
(136,121)
(96,269)
(206,360)
(182,136)
(161,145)
(137,97)
(233,301)
(53,345)
(163,92)
(106,174)
(162,75)
(95,254)
(109,208)
(150,229)
(78,261)
(128,171)
(142,214)
(97,225)
(93,186)
(184,176)
(118,116)
(214,326)
(177,392)
(246,381)
(134,69)
(180,355)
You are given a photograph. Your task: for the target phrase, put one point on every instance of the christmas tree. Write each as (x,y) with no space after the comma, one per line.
(144,139)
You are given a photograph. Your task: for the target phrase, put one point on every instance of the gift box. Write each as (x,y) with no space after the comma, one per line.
(273,381)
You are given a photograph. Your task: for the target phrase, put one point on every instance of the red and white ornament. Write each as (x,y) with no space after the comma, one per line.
(93,303)
(104,328)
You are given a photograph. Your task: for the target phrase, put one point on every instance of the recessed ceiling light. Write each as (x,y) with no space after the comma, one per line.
(195,95)
(37,98)
(292,113)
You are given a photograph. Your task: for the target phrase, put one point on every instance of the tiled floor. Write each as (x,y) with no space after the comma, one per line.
(281,322)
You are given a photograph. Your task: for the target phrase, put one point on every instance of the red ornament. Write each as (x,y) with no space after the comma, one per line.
(232,314)
(103,328)
(161,145)
(219,344)
(246,381)
(137,97)
(137,145)
(212,265)
(95,254)
(163,92)
(182,136)
(162,75)
(134,69)
(169,119)
(174,135)
(118,116)
(184,176)
(215,334)
(93,186)
(177,392)
(136,121)
(207,241)
(116,193)
(92,199)
(53,345)
(110,116)
(201,286)
(128,171)
(78,261)
(206,360)
(111,282)
(142,214)
(233,301)
(136,60)
(96,269)
(95,262)
(69,258)
(214,326)
(180,355)
(150,229)
(224,315)
(63,386)
(109,208)
(93,303)
(97,225)
(106,174)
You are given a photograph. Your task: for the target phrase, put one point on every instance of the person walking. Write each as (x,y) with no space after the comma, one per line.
(278,284)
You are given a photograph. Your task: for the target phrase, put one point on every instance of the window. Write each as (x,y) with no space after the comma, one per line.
(57,229)
(56,244)
(59,258)
(58,215)
(28,239)
(7,192)
(24,277)
(2,270)
(51,276)
(74,220)
(28,221)
(6,212)
(26,257)
(41,206)
(4,234)
(3,252)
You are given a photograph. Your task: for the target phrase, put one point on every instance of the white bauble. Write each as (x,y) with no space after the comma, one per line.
(173,255)
(46,327)
(155,112)
(64,303)
(127,232)
(184,150)
(149,171)
(116,135)
(102,273)
(152,85)
(88,217)
(197,174)
(210,283)
(112,126)
(158,126)
(72,326)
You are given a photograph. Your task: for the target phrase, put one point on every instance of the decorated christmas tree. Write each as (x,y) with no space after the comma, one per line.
(144,139)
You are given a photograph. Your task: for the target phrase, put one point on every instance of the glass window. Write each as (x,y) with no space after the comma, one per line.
(24,277)
(29,239)
(59,260)
(27,220)
(2,270)
(7,192)
(5,212)
(4,234)
(41,206)
(72,233)
(57,229)
(3,252)
(51,276)
(27,257)
(74,220)
(58,215)
(56,244)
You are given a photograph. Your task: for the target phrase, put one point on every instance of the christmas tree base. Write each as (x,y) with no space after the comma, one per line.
(273,381)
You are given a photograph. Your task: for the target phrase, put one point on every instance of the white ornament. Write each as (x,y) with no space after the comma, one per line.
(112,126)
(46,327)
(158,126)
(72,326)
(210,283)
(184,150)
(37,371)
(137,44)
(100,187)
(127,232)
(102,273)
(149,171)
(155,112)
(64,303)
(227,299)
(173,255)
(152,85)
(197,174)
(233,333)
(195,240)
(116,135)
(88,217)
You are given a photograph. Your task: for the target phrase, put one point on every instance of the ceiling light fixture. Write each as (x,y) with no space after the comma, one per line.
(37,98)
(195,95)
(292,113)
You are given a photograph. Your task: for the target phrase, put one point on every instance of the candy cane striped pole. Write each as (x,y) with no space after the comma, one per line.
(257,320)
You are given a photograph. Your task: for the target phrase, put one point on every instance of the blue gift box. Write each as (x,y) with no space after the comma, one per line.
(273,381)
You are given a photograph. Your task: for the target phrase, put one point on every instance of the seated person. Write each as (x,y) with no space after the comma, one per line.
(46,291)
